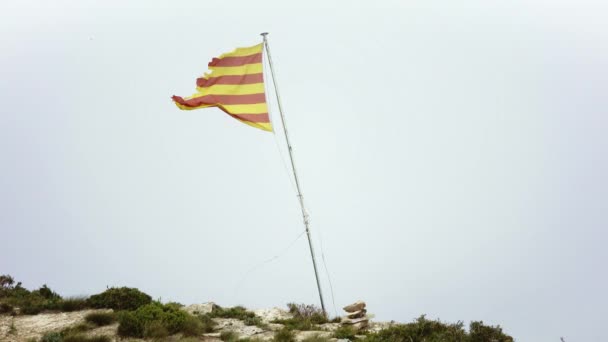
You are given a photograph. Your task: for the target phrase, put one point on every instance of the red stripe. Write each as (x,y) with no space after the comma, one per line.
(236,61)
(230,79)
(221,99)
(259,118)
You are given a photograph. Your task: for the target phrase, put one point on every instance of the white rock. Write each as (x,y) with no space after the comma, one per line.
(356,306)
(269,315)
(196,309)
(357,314)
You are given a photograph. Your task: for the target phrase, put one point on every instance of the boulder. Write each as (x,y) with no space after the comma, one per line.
(356,306)
(356,314)
(200,309)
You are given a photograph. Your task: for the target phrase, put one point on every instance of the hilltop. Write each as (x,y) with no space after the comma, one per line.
(128,314)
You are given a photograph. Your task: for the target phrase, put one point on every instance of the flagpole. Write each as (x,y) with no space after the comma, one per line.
(295,174)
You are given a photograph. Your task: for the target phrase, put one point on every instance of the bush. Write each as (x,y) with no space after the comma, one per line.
(306,311)
(345,332)
(423,329)
(208,324)
(100,318)
(136,323)
(481,333)
(316,338)
(229,336)
(304,317)
(192,326)
(52,337)
(6,308)
(156,330)
(123,298)
(237,312)
(284,335)
(130,325)
(72,304)
(82,338)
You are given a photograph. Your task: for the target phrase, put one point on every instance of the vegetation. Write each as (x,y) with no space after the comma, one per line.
(305,317)
(316,338)
(237,312)
(346,332)
(157,320)
(33,302)
(426,330)
(284,335)
(120,298)
(229,336)
(140,317)
(100,318)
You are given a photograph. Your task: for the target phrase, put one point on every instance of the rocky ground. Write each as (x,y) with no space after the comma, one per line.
(31,328)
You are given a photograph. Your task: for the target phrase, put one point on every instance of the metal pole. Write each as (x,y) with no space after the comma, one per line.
(295,174)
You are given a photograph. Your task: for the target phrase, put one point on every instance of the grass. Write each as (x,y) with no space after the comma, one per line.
(12,329)
(284,335)
(72,304)
(316,338)
(305,317)
(238,312)
(345,332)
(100,318)
(229,336)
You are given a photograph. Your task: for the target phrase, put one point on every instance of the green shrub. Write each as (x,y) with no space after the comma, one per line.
(305,317)
(76,329)
(345,332)
(130,325)
(237,312)
(47,293)
(284,335)
(120,298)
(173,319)
(100,318)
(229,336)
(208,324)
(423,329)
(52,337)
(481,333)
(72,304)
(155,330)
(307,311)
(83,338)
(192,326)
(6,308)
(316,338)
(136,323)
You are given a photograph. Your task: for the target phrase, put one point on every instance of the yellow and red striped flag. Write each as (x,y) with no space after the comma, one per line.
(235,84)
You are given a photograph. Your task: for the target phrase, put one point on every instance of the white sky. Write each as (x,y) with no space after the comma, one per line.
(452,155)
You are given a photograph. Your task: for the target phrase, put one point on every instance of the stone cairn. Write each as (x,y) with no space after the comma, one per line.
(356,316)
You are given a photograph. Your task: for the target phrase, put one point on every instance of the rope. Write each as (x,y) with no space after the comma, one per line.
(331,287)
(255,267)
(274,134)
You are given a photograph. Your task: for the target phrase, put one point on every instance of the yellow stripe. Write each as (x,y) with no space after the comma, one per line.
(262,126)
(244,51)
(258,108)
(255,68)
(232,89)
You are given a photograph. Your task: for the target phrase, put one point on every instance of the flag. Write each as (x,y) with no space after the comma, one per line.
(234,84)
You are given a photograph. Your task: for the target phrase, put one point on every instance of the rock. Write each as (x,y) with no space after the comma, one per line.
(200,309)
(302,335)
(356,323)
(357,314)
(269,315)
(356,306)
(354,320)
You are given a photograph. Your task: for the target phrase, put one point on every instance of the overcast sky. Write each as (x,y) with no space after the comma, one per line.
(453,157)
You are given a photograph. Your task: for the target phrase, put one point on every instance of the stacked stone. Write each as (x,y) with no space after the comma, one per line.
(355,315)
